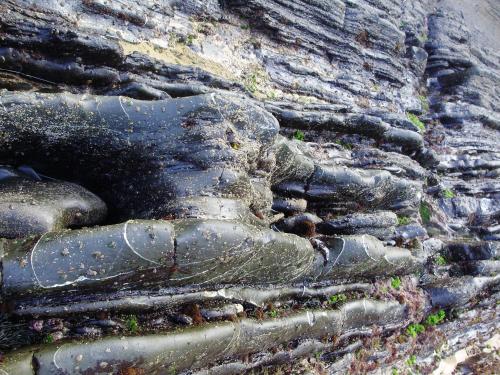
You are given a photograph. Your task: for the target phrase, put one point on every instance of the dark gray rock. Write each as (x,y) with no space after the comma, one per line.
(380,224)
(409,232)
(31,207)
(176,349)
(458,291)
(342,79)
(197,146)
(465,251)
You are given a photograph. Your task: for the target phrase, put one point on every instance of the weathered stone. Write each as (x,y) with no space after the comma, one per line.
(203,145)
(392,110)
(458,291)
(193,348)
(380,224)
(364,256)
(466,251)
(31,207)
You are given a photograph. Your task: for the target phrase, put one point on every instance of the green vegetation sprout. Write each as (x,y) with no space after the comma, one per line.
(416,121)
(347,146)
(395,282)
(441,260)
(49,339)
(425,212)
(337,298)
(298,135)
(131,323)
(403,220)
(273,313)
(251,83)
(424,103)
(435,319)
(448,194)
(415,329)
(271,95)
(190,38)
(411,361)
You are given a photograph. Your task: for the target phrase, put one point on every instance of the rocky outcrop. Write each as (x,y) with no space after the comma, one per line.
(225,186)
(33,205)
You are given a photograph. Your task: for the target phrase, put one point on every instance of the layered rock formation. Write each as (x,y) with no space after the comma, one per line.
(311,185)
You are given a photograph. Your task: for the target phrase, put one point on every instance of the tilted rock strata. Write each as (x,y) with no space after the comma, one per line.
(170,112)
(184,252)
(198,347)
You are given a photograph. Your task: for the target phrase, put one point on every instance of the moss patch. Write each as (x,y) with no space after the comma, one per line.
(424,103)
(440,260)
(403,220)
(131,323)
(416,121)
(448,194)
(425,212)
(298,135)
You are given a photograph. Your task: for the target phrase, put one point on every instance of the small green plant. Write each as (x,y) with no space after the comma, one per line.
(131,323)
(424,103)
(190,38)
(49,339)
(298,135)
(440,260)
(415,329)
(337,298)
(435,319)
(395,282)
(347,146)
(425,212)
(416,121)
(271,95)
(448,194)
(251,83)
(411,361)
(394,371)
(244,27)
(273,314)
(403,220)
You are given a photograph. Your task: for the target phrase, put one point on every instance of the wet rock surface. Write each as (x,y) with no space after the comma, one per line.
(221,187)
(32,205)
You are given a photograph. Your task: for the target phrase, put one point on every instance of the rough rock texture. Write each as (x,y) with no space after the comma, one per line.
(226,186)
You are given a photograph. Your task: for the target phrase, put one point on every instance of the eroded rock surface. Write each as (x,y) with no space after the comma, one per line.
(32,205)
(311,186)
